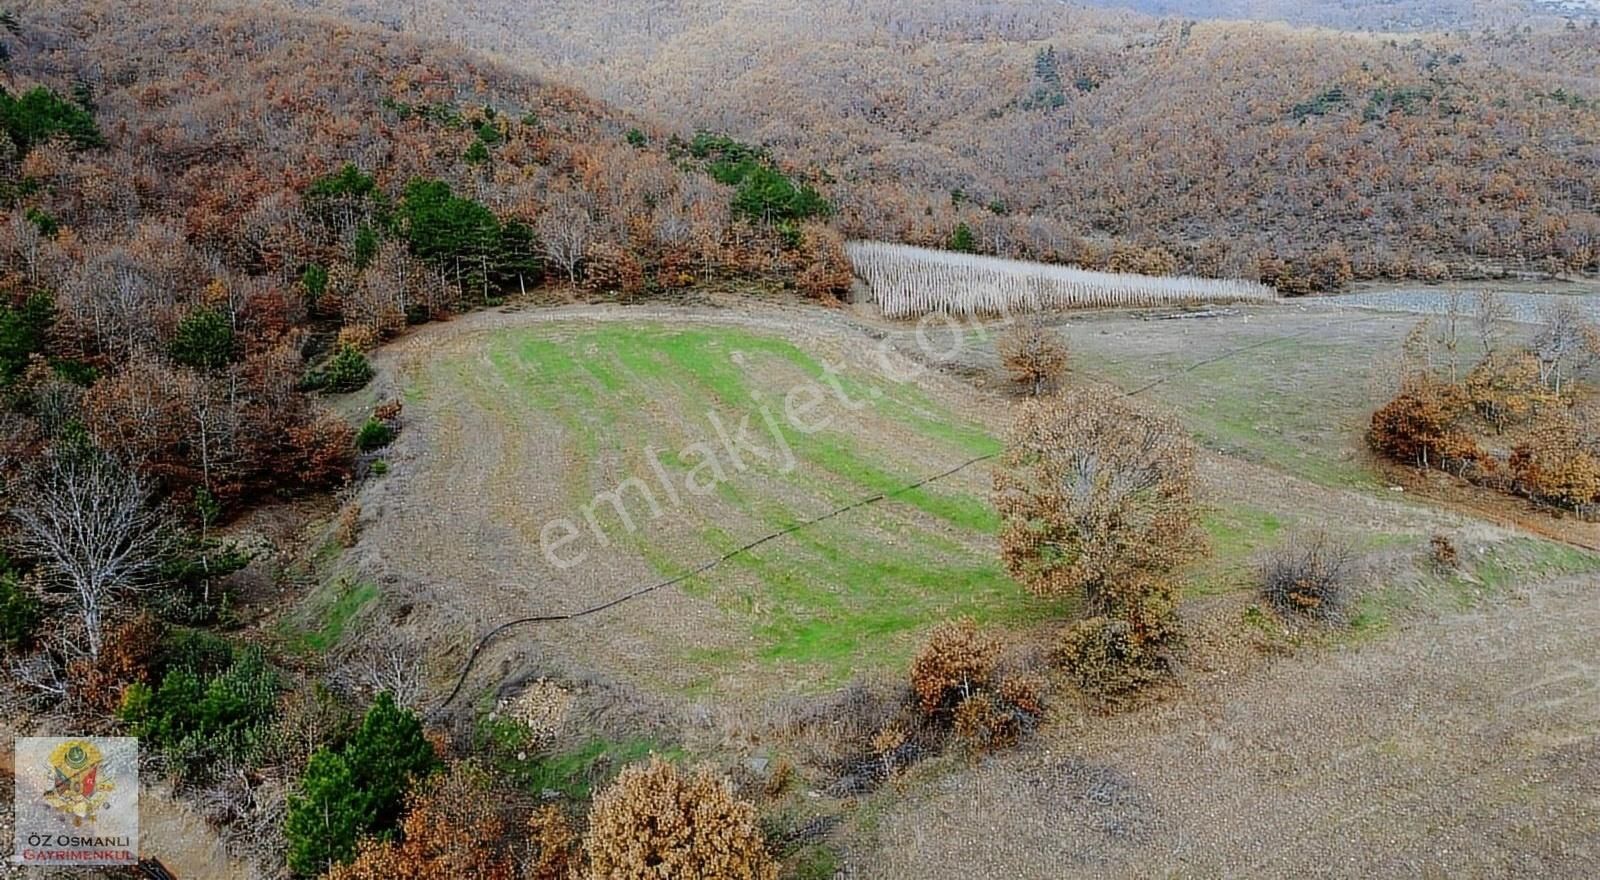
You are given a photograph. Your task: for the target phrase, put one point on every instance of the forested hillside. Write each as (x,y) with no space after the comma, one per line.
(1373,15)
(211,213)
(1052,131)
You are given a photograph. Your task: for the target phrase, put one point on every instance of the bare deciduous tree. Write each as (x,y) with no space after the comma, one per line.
(1491,312)
(566,232)
(1567,342)
(87,520)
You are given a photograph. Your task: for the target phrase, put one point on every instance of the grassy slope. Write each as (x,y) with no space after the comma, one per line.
(846,594)
(857,592)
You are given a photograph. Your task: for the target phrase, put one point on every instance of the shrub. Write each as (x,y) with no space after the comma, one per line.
(550,846)
(322,451)
(361,337)
(358,790)
(127,658)
(1442,551)
(613,269)
(204,340)
(346,371)
(1032,354)
(374,435)
(1309,575)
(389,411)
(1421,427)
(1093,490)
(956,661)
(982,724)
(348,531)
(658,822)
(452,828)
(309,719)
(1026,692)
(1126,646)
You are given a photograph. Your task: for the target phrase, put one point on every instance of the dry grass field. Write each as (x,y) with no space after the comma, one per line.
(1438,713)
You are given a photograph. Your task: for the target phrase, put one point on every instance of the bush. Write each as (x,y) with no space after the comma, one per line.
(982,724)
(658,822)
(322,451)
(357,790)
(1033,354)
(956,661)
(127,658)
(452,829)
(348,370)
(1308,575)
(1443,552)
(204,340)
(1129,645)
(374,435)
(550,844)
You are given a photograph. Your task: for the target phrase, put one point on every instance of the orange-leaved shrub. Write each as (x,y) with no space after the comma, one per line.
(1032,354)
(956,661)
(657,822)
(452,829)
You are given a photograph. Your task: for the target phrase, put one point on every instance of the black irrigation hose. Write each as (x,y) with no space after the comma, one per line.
(702,568)
(483,642)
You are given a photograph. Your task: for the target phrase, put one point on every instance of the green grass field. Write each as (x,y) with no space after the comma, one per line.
(850,593)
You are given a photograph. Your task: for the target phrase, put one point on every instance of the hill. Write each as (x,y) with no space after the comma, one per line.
(1057,132)
(1370,15)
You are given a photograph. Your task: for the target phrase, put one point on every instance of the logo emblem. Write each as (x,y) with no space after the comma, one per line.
(75,801)
(78,789)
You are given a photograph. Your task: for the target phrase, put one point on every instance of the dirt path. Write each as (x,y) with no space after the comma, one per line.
(1461,747)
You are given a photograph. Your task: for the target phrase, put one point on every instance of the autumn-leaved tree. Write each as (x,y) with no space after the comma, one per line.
(1097,499)
(1558,462)
(452,829)
(1032,354)
(1093,489)
(657,822)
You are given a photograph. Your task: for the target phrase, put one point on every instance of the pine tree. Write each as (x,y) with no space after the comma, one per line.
(358,790)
